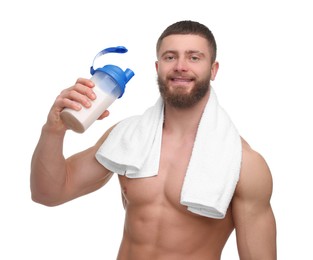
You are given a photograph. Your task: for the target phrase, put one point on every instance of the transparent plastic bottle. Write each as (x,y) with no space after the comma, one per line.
(110,82)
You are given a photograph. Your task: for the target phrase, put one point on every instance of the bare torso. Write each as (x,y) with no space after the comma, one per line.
(157,226)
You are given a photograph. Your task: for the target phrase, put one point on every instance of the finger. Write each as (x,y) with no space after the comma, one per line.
(79,94)
(87,82)
(106,113)
(65,100)
(85,87)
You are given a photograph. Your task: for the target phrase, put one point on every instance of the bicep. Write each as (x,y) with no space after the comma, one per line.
(253,216)
(84,173)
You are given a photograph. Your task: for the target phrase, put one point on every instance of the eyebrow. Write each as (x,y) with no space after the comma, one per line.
(195,52)
(186,52)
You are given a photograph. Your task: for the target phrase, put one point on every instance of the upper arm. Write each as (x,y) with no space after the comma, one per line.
(253,216)
(84,173)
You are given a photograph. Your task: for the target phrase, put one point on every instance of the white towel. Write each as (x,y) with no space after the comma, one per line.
(133,149)
(133,146)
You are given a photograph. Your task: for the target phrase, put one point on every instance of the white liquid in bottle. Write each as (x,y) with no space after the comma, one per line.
(80,120)
(110,83)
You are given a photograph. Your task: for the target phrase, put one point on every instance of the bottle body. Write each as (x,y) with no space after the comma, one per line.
(107,91)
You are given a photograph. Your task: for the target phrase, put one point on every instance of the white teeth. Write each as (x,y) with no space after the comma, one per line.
(183,80)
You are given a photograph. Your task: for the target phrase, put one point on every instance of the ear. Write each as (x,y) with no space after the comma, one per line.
(214,70)
(156,65)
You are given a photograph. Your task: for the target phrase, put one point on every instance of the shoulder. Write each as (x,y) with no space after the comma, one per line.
(252,213)
(104,136)
(255,180)
(122,125)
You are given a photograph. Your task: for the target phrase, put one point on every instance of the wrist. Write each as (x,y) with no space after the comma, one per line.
(54,129)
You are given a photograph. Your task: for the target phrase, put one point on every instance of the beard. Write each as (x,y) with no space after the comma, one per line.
(179,98)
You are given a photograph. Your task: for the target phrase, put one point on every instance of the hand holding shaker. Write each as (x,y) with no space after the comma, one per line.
(110,82)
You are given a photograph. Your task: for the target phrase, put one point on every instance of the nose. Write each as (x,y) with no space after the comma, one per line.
(181,65)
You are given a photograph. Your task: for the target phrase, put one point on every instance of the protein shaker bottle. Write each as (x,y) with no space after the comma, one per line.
(110,82)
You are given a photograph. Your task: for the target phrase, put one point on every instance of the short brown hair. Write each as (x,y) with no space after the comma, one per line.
(190,27)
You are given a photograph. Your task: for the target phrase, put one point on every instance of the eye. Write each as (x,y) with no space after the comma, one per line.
(194,58)
(169,58)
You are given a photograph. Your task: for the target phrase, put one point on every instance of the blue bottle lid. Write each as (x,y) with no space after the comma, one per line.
(121,77)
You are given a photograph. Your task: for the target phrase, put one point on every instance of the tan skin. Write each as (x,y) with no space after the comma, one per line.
(156,225)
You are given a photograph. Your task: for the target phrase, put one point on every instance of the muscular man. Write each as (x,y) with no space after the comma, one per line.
(157,226)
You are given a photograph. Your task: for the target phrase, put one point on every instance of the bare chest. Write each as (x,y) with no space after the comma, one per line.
(165,187)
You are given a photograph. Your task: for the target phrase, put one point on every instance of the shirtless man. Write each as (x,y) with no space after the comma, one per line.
(157,226)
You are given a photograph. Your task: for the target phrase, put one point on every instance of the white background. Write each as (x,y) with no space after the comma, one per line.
(264,82)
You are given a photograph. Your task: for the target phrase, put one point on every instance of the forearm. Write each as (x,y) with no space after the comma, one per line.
(48,167)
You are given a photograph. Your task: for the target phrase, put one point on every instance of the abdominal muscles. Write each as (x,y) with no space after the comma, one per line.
(158,226)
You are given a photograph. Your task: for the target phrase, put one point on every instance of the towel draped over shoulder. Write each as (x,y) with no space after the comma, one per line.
(133,149)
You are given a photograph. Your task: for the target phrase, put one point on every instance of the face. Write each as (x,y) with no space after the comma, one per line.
(184,69)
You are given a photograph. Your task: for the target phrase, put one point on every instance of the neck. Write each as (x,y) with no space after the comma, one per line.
(186,120)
